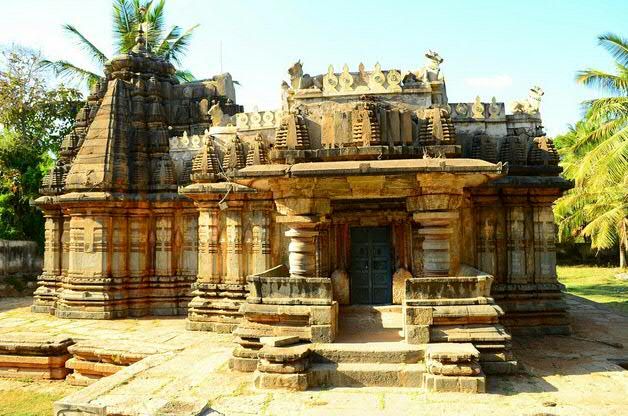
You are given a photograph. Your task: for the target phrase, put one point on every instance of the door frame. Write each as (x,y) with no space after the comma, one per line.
(390,270)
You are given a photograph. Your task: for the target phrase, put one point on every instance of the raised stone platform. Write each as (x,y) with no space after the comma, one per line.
(39,356)
(93,360)
(453,368)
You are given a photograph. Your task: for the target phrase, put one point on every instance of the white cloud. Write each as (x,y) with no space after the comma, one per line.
(497,81)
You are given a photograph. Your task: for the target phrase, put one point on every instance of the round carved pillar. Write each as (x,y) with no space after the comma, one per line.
(302,249)
(437,228)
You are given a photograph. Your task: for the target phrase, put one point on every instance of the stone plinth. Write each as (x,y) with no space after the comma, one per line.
(458,309)
(92,360)
(453,368)
(299,307)
(215,307)
(283,367)
(26,355)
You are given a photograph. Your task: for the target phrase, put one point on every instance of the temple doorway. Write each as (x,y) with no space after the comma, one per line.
(371,266)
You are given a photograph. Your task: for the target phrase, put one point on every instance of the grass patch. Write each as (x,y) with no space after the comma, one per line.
(27,403)
(597,284)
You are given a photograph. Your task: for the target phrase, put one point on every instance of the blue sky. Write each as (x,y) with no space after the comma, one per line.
(491,48)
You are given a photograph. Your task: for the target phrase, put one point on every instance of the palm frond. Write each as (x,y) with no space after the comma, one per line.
(88,46)
(164,46)
(616,46)
(602,109)
(67,71)
(154,20)
(124,25)
(613,83)
(184,75)
(178,47)
(603,228)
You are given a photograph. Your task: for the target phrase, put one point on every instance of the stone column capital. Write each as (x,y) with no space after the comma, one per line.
(434,201)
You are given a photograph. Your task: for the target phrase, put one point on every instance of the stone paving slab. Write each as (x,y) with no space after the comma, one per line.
(564,376)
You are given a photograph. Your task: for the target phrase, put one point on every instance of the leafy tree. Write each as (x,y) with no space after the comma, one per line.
(33,120)
(128,17)
(594,155)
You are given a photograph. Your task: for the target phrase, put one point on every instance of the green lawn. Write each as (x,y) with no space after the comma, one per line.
(598,284)
(27,403)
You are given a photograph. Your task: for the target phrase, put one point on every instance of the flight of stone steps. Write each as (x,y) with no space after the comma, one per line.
(379,364)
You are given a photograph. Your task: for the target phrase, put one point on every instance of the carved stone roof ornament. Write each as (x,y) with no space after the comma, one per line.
(140,41)
(477,110)
(205,166)
(483,147)
(292,133)
(257,152)
(366,130)
(531,105)
(437,127)
(235,158)
(542,152)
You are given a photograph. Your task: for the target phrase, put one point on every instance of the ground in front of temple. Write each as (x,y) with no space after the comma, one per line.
(578,375)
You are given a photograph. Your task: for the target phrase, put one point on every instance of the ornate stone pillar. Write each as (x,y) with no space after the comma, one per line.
(437,228)
(220,288)
(163,245)
(187,265)
(517,231)
(544,241)
(261,237)
(486,229)
(209,245)
(233,258)
(119,242)
(90,291)
(302,247)
(50,279)
(436,211)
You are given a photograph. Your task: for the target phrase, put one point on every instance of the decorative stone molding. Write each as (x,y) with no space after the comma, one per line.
(478,111)
(361,82)
(258,120)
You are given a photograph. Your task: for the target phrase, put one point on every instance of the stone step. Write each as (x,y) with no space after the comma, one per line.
(366,374)
(500,367)
(469,333)
(375,352)
(368,317)
(174,383)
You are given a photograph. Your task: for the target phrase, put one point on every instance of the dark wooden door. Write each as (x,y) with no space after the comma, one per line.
(371,272)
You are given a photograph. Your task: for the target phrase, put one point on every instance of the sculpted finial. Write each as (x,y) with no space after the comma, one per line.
(531,105)
(140,41)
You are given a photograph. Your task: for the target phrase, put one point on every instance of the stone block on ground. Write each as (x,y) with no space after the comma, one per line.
(295,382)
(34,355)
(26,343)
(446,384)
(470,368)
(95,359)
(399,285)
(417,334)
(452,352)
(279,341)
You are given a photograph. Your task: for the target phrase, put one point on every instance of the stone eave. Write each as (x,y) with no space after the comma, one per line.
(531,182)
(377,168)
(215,188)
(73,197)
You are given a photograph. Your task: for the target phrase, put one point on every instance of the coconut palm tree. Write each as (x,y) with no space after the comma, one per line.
(594,154)
(128,17)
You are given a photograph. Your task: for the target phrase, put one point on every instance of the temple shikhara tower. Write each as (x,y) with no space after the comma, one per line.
(368,207)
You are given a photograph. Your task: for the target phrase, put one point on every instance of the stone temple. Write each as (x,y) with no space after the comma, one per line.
(368,211)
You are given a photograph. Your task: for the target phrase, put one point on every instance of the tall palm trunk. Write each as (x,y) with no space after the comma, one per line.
(623,244)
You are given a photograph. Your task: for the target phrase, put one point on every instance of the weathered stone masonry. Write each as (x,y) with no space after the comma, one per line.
(366,187)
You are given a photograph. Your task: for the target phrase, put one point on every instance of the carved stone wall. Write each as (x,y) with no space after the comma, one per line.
(516,242)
